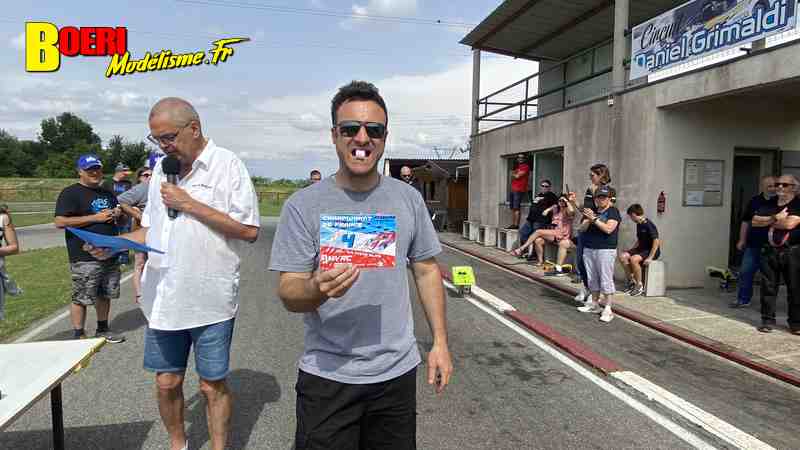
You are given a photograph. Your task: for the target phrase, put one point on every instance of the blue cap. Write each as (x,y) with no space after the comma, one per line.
(86,162)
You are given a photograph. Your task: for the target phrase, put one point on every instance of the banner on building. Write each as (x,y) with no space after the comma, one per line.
(701,27)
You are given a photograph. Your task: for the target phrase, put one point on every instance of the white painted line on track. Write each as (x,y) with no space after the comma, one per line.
(496,302)
(682,433)
(34,332)
(707,421)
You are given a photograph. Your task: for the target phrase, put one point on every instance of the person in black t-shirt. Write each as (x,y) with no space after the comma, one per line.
(781,257)
(647,248)
(536,219)
(87,206)
(600,236)
(752,240)
(600,175)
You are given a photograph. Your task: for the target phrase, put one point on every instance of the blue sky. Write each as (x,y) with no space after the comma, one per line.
(270,102)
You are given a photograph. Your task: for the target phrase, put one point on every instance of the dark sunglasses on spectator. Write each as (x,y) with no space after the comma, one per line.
(544,185)
(350,128)
(784,185)
(406,176)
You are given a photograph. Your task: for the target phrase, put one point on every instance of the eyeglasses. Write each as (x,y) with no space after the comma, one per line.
(784,185)
(545,186)
(350,128)
(166,139)
(405,176)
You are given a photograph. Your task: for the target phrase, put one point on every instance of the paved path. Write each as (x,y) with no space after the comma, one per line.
(506,392)
(40,236)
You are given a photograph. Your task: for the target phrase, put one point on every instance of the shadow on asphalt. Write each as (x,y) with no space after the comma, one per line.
(130,320)
(252,390)
(123,435)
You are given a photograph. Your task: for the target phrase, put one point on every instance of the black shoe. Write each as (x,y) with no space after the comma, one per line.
(110,337)
(512,227)
(765,328)
(739,304)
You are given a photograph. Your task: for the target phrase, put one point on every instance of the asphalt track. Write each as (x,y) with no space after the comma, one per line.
(505,394)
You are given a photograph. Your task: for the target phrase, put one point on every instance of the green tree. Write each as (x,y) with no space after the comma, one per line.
(62,164)
(134,154)
(64,132)
(9,150)
(113,153)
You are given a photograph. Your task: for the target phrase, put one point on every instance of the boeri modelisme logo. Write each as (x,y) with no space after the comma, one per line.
(45,44)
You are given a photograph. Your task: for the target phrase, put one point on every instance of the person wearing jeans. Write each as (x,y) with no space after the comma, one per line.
(751,241)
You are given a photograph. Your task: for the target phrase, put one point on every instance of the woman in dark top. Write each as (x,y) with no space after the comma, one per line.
(600,176)
(600,235)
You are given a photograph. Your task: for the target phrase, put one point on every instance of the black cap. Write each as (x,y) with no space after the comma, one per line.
(603,191)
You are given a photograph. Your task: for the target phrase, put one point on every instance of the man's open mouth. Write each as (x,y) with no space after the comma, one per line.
(360,153)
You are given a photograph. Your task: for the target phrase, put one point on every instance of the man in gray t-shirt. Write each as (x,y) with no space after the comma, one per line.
(343,247)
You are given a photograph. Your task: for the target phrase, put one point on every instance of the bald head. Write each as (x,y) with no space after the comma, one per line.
(177,110)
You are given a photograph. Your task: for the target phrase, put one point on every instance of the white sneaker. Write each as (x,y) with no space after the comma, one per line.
(581,297)
(589,307)
(607,315)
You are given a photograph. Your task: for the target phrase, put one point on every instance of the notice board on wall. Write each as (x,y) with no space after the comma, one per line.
(703,181)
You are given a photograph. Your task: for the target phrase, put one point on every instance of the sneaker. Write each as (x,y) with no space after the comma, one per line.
(581,297)
(555,273)
(110,336)
(607,315)
(590,307)
(636,291)
(739,304)
(512,227)
(765,328)
(629,286)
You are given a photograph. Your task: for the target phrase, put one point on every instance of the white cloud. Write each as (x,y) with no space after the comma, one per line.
(279,136)
(18,42)
(386,8)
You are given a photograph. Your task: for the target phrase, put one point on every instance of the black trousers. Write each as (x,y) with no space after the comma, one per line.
(781,263)
(339,416)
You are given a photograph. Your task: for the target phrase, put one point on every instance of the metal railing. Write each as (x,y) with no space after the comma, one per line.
(529,101)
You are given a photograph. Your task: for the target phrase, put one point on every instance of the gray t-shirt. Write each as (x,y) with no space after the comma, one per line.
(367,335)
(135,196)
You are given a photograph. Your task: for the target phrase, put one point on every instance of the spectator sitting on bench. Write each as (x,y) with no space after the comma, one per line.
(537,218)
(563,214)
(647,249)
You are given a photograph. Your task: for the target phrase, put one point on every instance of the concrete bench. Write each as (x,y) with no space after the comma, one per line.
(551,253)
(473,230)
(507,239)
(487,235)
(465,229)
(655,279)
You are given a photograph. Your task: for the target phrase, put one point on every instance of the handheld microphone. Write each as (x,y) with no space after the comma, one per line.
(171,167)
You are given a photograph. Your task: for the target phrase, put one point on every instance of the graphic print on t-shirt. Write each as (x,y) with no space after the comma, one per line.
(99,204)
(363,240)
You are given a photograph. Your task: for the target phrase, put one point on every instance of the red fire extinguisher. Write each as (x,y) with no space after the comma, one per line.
(662,203)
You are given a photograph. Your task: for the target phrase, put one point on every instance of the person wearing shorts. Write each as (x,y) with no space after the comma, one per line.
(88,206)
(519,187)
(600,236)
(646,250)
(191,306)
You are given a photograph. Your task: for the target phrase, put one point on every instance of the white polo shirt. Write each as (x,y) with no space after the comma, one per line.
(196,281)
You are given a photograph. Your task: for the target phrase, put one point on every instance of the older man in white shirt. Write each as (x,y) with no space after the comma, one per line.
(190,293)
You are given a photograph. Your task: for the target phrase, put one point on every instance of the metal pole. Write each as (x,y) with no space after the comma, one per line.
(620,46)
(58,418)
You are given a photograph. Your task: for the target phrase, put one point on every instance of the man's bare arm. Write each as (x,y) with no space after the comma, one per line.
(306,291)
(432,297)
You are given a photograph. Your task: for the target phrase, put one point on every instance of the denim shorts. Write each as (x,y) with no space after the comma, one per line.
(516,199)
(168,350)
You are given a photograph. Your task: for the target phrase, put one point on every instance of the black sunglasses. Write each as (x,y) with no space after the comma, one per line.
(350,128)
(406,176)
(784,185)
(544,185)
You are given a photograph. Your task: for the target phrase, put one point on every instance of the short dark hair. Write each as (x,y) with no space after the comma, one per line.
(547,181)
(315,171)
(357,90)
(636,209)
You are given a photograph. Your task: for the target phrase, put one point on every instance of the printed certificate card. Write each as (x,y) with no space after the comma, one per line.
(363,240)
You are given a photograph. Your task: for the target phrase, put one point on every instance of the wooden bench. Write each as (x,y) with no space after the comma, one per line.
(507,239)
(654,277)
(487,235)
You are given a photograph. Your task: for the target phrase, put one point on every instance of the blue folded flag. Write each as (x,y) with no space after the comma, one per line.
(114,243)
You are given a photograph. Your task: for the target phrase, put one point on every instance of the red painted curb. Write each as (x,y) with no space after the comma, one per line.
(708,345)
(569,345)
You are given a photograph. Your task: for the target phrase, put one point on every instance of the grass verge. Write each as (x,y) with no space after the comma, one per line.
(44,277)
(24,220)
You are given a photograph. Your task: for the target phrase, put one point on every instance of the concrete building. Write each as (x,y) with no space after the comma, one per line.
(702,137)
